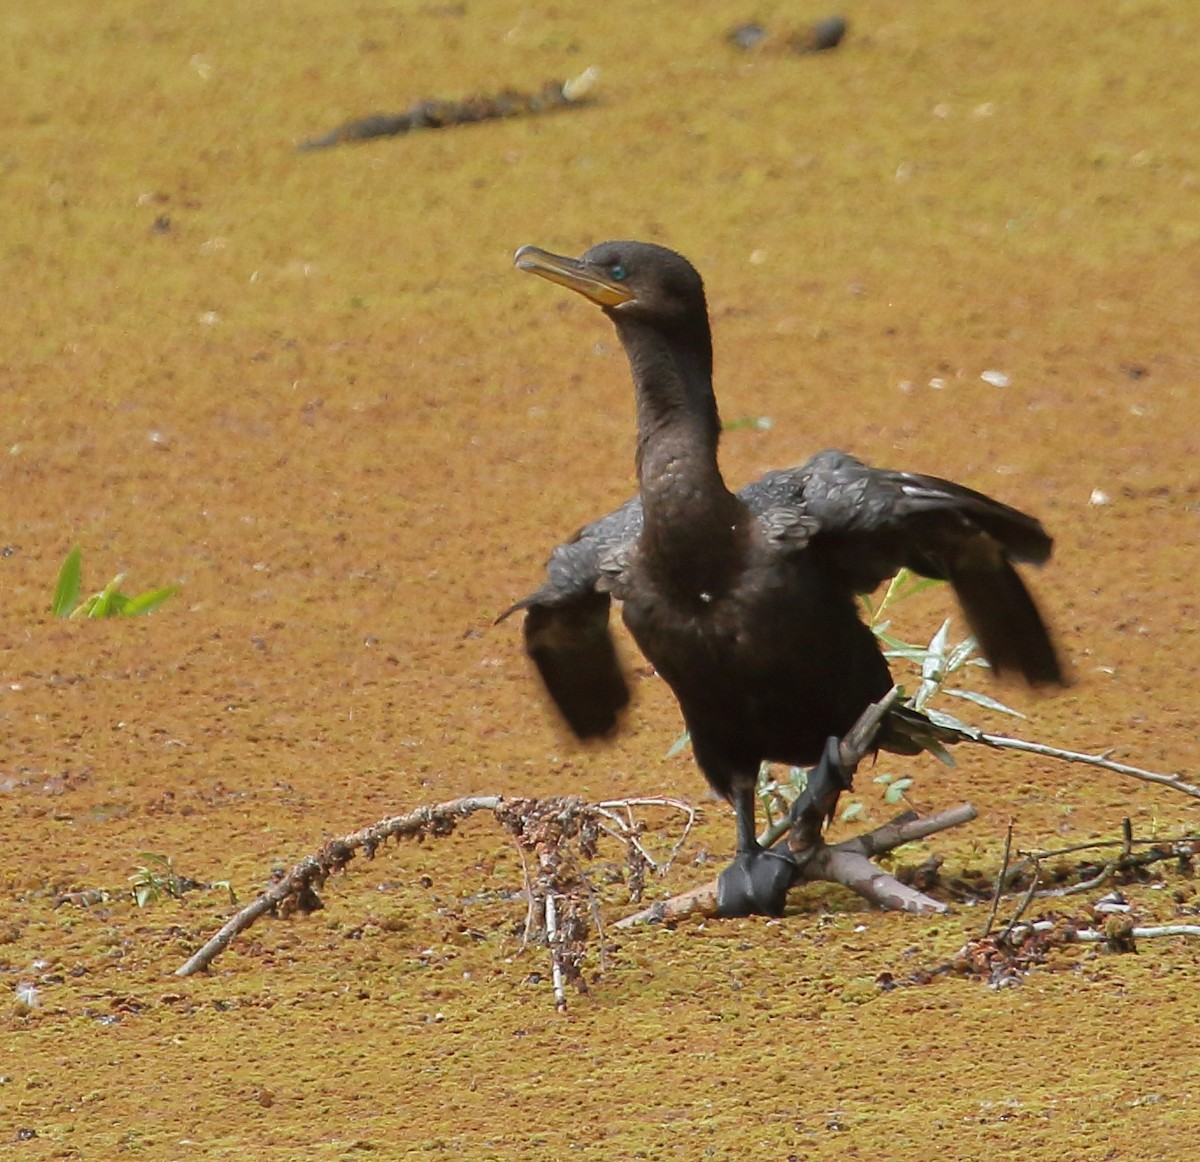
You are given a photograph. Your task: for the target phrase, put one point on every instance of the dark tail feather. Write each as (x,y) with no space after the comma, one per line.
(1006,622)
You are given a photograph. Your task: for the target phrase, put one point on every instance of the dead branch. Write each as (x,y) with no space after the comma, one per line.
(561,833)
(296,891)
(556,968)
(847,863)
(553,837)
(1090,936)
(1023,907)
(439,114)
(1126,931)
(1126,862)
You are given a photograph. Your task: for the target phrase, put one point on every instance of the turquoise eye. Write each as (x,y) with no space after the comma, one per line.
(617,272)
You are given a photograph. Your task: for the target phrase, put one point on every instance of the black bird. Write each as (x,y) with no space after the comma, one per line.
(745,603)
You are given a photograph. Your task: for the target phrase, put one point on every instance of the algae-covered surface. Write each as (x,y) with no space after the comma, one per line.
(311,390)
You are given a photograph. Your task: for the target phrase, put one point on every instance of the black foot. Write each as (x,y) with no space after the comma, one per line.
(815,805)
(755,884)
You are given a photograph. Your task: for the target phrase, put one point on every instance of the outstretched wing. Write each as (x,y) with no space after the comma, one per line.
(870,522)
(567,633)
(863,523)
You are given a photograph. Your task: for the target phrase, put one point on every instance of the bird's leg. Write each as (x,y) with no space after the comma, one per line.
(815,805)
(756,882)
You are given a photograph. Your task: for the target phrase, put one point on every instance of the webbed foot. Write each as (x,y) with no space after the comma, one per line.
(815,805)
(755,884)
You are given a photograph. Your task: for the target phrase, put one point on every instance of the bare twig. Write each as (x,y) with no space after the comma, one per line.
(530,897)
(555,939)
(1000,880)
(1092,936)
(1006,935)
(853,870)
(1077,889)
(298,887)
(553,837)
(1005,742)
(628,829)
(1184,845)
(908,827)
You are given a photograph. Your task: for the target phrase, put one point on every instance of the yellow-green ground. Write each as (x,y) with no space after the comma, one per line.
(319,398)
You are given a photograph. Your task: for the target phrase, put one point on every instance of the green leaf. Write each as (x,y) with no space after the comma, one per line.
(895,792)
(228,887)
(679,745)
(149,601)
(66,592)
(852,811)
(85,607)
(949,722)
(907,653)
(984,701)
(110,600)
(960,655)
(940,753)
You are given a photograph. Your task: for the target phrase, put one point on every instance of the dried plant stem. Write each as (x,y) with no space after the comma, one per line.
(1092,936)
(553,836)
(552,935)
(298,887)
(1005,742)
(1000,881)
(1006,935)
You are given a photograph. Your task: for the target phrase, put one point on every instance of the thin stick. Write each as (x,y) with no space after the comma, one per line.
(1005,742)
(907,828)
(855,871)
(556,973)
(652,801)
(999,882)
(1075,889)
(312,871)
(1006,935)
(1173,845)
(530,897)
(1091,936)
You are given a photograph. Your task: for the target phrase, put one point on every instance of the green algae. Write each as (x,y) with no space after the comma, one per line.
(320,398)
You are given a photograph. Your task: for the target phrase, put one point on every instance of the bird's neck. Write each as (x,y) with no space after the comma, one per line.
(694,529)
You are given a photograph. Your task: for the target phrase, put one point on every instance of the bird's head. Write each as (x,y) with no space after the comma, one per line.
(628,279)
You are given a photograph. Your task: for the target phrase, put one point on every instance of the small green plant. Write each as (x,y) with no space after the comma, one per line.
(155,879)
(935,663)
(109,602)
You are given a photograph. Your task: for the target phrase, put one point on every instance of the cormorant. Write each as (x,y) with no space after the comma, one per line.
(745,603)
